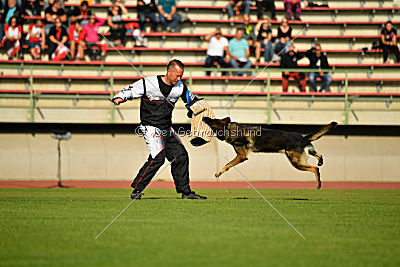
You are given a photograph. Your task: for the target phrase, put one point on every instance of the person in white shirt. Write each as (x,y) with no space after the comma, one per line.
(216,50)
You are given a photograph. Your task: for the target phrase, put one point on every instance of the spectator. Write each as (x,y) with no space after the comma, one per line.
(239,7)
(292,6)
(389,41)
(264,40)
(13,34)
(58,38)
(218,46)
(248,32)
(284,37)
(36,38)
(147,9)
(318,61)
(52,13)
(81,14)
(167,10)
(92,39)
(76,43)
(11,10)
(114,20)
(239,52)
(33,6)
(268,5)
(289,60)
(49,3)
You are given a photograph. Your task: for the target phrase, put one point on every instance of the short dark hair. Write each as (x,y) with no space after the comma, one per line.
(174,63)
(388,22)
(84,3)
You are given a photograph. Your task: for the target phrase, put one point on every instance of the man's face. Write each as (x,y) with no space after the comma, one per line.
(12,3)
(318,50)
(239,34)
(218,35)
(174,75)
(84,7)
(291,50)
(246,22)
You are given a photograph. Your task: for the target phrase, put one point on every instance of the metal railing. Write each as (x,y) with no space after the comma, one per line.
(269,97)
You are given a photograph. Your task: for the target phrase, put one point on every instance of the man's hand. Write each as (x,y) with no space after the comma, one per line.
(118,101)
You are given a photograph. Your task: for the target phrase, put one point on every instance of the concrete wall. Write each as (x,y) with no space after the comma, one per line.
(119,157)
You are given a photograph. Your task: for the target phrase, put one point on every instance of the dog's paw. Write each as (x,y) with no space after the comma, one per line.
(217,175)
(319,185)
(320,162)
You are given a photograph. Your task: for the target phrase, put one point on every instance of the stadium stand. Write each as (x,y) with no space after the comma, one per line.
(363,91)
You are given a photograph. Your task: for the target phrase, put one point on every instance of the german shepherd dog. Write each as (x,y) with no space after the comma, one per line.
(253,138)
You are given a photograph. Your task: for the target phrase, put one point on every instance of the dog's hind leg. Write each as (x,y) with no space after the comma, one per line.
(310,149)
(240,157)
(299,161)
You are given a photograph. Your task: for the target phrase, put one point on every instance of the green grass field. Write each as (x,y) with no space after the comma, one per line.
(232,228)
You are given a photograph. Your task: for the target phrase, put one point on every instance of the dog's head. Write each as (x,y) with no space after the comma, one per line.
(218,126)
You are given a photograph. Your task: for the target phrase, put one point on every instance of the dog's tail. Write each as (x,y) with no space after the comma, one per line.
(317,134)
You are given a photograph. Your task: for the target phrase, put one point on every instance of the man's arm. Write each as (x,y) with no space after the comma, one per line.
(132,91)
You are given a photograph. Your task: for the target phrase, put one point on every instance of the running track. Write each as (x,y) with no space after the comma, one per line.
(217,184)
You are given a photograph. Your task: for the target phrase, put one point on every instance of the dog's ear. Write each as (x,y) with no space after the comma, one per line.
(226,120)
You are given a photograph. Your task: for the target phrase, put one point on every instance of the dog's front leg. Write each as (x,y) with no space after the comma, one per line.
(235,161)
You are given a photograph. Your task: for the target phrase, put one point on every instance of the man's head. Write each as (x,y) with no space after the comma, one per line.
(218,33)
(84,5)
(239,33)
(57,4)
(389,25)
(246,21)
(58,23)
(175,70)
(292,50)
(265,23)
(12,3)
(318,49)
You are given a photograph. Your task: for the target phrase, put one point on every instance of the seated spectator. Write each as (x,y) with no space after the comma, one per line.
(217,47)
(52,13)
(12,40)
(289,61)
(318,61)
(284,37)
(58,39)
(96,48)
(81,14)
(248,32)
(389,41)
(36,38)
(10,10)
(239,52)
(268,5)
(49,3)
(292,7)
(114,20)
(239,8)
(76,43)
(264,40)
(31,7)
(147,9)
(167,10)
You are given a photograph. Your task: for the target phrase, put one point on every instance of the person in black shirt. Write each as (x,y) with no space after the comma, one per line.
(147,9)
(158,95)
(81,14)
(264,40)
(114,20)
(289,61)
(389,41)
(58,37)
(318,61)
(52,13)
(284,37)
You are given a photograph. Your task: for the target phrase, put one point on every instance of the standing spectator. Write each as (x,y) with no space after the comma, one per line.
(13,34)
(36,38)
(248,32)
(318,61)
(167,10)
(289,61)
(264,40)
(52,13)
(217,47)
(239,52)
(92,39)
(11,10)
(75,36)
(389,41)
(239,7)
(147,9)
(114,20)
(268,5)
(58,38)
(292,6)
(284,37)
(81,14)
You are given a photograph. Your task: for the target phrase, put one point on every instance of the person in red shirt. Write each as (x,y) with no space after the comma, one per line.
(75,36)
(13,34)
(36,38)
